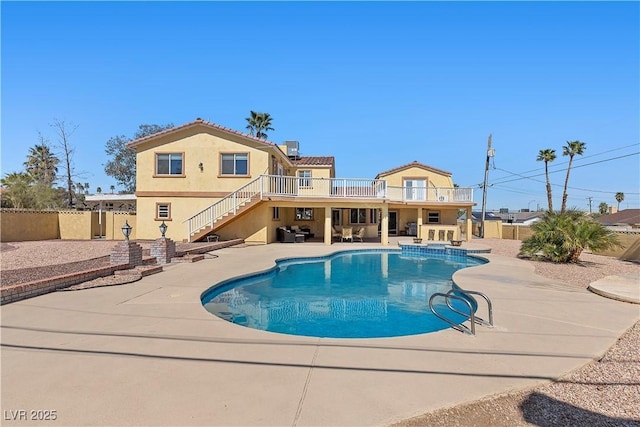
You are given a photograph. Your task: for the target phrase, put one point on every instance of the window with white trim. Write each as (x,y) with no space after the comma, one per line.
(234,164)
(163,211)
(415,189)
(433,217)
(305,178)
(169,164)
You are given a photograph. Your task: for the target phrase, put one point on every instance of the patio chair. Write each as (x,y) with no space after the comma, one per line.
(359,234)
(288,236)
(335,234)
(347,234)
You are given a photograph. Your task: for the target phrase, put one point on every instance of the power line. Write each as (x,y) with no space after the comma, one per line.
(573,167)
(554,165)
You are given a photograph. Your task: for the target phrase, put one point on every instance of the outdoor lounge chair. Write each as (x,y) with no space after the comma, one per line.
(335,234)
(347,234)
(359,234)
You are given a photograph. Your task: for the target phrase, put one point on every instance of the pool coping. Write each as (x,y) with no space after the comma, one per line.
(154,356)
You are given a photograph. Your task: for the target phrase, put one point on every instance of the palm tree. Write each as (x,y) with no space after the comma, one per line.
(257,123)
(17,186)
(546,156)
(112,187)
(619,198)
(571,149)
(42,164)
(603,208)
(99,190)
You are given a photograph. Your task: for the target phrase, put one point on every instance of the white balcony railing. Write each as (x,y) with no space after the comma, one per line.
(273,185)
(338,188)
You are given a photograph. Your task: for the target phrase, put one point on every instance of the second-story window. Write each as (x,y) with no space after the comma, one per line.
(305,178)
(169,164)
(235,164)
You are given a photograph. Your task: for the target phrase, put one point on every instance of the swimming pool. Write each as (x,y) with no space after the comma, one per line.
(350,294)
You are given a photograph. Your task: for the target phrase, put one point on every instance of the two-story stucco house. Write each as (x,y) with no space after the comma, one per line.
(202,178)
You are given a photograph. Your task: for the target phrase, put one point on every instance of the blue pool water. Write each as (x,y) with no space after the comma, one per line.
(362,294)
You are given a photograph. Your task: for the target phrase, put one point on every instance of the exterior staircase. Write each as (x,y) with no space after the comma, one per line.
(225,210)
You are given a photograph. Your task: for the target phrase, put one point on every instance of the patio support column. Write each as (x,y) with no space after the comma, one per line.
(419,223)
(469,225)
(384,227)
(327,226)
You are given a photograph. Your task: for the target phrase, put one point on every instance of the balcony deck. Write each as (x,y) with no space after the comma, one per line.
(356,188)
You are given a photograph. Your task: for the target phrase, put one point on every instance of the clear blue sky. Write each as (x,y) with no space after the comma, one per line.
(375,84)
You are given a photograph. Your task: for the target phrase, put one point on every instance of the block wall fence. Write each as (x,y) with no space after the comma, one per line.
(19,225)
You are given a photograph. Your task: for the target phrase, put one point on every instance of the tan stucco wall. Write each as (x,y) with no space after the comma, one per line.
(316,171)
(630,249)
(516,232)
(114,221)
(197,148)
(75,225)
(181,209)
(493,229)
(20,226)
(434,179)
(66,225)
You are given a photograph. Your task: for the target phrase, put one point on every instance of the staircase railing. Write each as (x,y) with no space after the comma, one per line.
(225,206)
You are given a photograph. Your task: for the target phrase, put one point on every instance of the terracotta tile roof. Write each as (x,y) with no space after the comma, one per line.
(198,122)
(314,161)
(626,216)
(411,165)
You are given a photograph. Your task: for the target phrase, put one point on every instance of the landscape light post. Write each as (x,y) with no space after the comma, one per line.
(163,228)
(126,230)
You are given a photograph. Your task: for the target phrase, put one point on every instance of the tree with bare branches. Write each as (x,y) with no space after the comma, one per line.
(63,132)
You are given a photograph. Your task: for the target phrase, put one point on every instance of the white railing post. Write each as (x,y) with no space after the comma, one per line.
(261,180)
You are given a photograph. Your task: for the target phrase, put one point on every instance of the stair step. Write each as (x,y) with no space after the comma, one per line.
(149,260)
(140,270)
(188,258)
(149,270)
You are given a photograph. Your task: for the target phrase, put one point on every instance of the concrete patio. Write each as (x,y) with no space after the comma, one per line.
(147,353)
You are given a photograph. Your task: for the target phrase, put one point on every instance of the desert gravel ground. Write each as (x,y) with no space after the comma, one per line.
(605,392)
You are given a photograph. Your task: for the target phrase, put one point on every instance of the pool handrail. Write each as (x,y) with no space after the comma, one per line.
(457,326)
(469,293)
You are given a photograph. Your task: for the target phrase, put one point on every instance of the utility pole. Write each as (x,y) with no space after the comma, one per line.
(589,199)
(490,153)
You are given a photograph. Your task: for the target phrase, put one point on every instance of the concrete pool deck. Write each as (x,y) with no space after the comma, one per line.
(147,353)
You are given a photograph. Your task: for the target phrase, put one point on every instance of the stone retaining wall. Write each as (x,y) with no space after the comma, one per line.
(39,287)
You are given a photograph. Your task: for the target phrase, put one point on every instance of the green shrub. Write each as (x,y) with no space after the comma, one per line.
(561,237)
